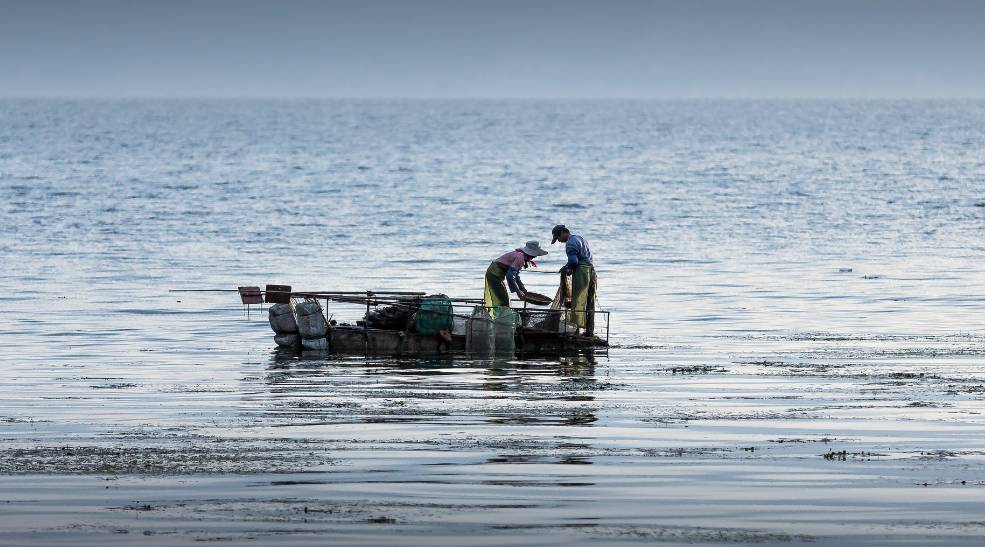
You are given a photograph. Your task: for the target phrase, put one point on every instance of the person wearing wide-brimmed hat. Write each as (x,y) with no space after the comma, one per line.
(584,282)
(506,270)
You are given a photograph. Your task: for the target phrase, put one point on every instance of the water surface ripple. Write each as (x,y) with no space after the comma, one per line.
(795,289)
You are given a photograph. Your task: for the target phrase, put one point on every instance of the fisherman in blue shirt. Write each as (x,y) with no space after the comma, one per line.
(583,278)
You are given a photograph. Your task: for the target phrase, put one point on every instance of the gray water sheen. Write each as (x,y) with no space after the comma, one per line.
(795,288)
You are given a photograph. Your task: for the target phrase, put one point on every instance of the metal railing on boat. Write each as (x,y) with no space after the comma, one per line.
(410,300)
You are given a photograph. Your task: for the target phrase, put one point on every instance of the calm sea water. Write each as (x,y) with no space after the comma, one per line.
(706,217)
(814,266)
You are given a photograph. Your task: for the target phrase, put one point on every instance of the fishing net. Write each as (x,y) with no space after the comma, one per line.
(558,316)
(489,335)
(394,317)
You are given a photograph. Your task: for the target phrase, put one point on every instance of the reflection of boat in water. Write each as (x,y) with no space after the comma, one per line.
(414,323)
(450,388)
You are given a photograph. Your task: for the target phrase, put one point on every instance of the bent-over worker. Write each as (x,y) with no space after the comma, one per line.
(506,270)
(583,279)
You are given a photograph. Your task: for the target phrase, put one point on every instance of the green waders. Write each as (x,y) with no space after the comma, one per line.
(583,289)
(496,295)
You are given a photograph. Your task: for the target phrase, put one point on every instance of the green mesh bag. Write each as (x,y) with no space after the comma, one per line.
(434,315)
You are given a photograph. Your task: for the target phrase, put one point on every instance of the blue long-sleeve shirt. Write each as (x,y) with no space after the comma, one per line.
(514,261)
(513,280)
(578,252)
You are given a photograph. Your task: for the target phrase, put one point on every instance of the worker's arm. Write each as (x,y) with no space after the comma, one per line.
(571,249)
(572,261)
(513,280)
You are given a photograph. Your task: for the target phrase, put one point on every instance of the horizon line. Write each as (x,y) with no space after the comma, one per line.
(483,98)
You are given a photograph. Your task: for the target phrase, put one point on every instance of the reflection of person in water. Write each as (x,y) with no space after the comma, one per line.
(582,368)
(575,373)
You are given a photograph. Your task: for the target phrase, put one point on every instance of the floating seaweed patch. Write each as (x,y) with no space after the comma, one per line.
(695,369)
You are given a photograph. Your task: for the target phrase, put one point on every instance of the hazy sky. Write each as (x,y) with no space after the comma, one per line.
(656,49)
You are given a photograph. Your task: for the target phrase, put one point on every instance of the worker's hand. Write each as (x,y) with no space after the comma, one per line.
(522,295)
